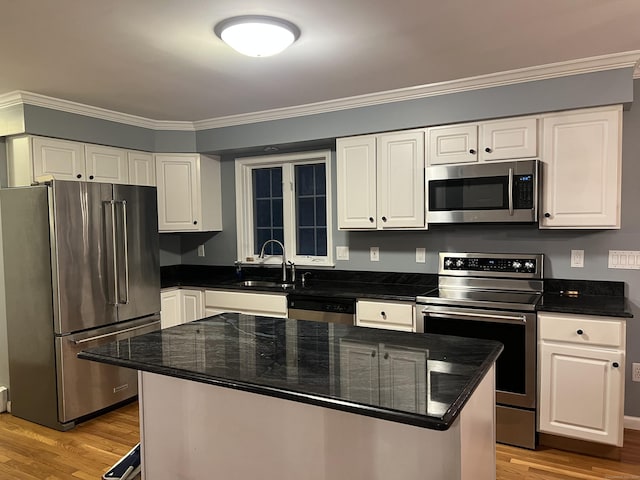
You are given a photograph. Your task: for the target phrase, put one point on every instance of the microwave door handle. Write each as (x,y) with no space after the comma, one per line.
(477,316)
(510,192)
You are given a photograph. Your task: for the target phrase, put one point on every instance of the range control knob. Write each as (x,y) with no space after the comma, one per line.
(459,263)
(516,264)
(448,262)
(528,265)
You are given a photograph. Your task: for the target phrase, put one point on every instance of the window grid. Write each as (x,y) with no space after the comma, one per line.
(310,183)
(267,208)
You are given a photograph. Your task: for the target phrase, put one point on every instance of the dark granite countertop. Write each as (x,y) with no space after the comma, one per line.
(343,284)
(585,297)
(322,364)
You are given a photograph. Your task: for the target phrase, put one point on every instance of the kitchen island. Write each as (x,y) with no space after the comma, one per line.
(240,396)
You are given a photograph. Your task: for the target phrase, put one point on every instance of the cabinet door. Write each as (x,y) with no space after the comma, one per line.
(192,305)
(142,168)
(356,182)
(61,159)
(403,379)
(178,199)
(455,144)
(171,310)
(581,174)
(359,375)
(107,165)
(401,182)
(582,392)
(507,139)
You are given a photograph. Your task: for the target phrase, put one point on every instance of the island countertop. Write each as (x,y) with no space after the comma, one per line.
(417,379)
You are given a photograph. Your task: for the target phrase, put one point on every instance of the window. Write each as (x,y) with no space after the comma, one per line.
(284,198)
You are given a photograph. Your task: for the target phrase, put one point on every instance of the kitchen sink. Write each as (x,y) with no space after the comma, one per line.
(266,284)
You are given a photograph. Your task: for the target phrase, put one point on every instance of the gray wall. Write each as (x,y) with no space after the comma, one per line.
(397,249)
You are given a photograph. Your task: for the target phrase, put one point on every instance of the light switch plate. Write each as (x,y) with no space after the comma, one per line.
(374,253)
(342,253)
(421,255)
(624,259)
(577,258)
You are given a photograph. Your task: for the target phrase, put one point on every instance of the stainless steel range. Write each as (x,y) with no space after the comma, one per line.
(494,296)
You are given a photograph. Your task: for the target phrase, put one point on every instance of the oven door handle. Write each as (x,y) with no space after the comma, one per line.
(477,316)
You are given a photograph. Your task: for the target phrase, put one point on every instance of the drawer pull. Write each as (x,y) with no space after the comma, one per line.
(579,332)
(373,353)
(615,364)
(383,315)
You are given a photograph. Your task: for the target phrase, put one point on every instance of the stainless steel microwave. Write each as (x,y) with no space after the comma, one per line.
(484,193)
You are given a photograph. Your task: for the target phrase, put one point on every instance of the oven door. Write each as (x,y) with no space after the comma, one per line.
(516,366)
(501,192)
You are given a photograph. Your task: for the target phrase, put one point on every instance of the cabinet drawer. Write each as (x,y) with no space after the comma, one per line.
(389,315)
(268,304)
(582,329)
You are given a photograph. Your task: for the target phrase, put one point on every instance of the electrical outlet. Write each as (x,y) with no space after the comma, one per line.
(421,255)
(201,250)
(636,372)
(374,254)
(577,258)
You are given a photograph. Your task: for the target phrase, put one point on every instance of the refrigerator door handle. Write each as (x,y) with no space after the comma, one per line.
(113,334)
(114,252)
(125,236)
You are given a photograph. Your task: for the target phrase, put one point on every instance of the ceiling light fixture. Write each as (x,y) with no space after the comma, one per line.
(257,35)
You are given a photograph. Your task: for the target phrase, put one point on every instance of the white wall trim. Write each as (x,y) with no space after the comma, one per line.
(613,61)
(632,423)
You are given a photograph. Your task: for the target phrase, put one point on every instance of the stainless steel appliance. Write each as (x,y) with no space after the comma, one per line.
(321,309)
(81,269)
(494,296)
(488,192)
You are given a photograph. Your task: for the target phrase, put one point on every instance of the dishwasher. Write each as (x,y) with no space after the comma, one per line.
(321,309)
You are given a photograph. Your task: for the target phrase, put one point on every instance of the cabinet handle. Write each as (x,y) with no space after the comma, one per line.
(371,219)
(472,151)
(386,356)
(383,315)
(195,222)
(90,177)
(79,175)
(615,365)
(373,353)
(384,219)
(488,150)
(579,332)
(547,215)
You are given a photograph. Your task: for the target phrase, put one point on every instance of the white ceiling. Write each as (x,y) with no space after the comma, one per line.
(159,59)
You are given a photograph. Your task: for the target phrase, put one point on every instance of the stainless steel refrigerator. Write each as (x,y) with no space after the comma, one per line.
(81,269)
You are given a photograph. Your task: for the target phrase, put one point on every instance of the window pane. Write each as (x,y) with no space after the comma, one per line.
(320,179)
(321,210)
(306,241)
(321,241)
(306,213)
(304,179)
(267,208)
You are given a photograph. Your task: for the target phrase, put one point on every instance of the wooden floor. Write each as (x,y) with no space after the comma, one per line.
(29,451)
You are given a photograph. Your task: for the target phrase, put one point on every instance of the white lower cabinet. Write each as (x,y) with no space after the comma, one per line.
(253,303)
(385,375)
(180,305)
(581,376)
(388,315)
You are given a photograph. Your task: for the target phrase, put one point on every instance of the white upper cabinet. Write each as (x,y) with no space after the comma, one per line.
(582,155)
(356,182)
(58,158)
(31,158)
(483,142)
(106,164)
(189,197)
(380,181)
(142,168)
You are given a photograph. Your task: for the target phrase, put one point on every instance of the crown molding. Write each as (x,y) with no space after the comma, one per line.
(14,98)
(629,59)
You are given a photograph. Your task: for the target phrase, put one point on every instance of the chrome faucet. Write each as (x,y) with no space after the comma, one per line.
(284,257)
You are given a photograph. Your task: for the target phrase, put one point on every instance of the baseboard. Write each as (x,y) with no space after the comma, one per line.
(3,399)
(632,423)
(580,446)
